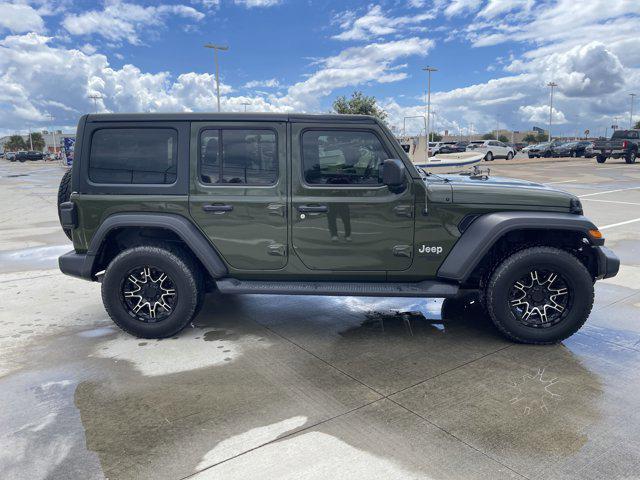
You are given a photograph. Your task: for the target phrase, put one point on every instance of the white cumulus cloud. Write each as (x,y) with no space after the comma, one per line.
(19,18)
(121,21)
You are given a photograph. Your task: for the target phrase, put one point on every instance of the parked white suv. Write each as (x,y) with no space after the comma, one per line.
(492,149)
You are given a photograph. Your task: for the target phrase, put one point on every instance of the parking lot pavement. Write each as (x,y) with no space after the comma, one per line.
(310,387)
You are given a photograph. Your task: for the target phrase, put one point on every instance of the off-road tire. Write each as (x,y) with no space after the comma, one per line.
(511,269)
(509,156)
(64,194)
(185,274)
(631,157)
(601,159)
(488,157)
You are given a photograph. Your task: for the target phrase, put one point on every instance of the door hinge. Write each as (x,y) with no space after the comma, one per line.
(404,210)
(278,209)
(402,251)
(277,250)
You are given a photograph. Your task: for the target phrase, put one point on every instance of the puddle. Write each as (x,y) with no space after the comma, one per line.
(163,357)
(35,258)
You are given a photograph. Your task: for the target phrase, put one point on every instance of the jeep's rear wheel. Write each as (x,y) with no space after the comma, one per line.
(64,194)
(539,295)
(152,292)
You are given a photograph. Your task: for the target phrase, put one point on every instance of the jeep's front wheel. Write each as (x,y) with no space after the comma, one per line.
(152,292)
(539,295)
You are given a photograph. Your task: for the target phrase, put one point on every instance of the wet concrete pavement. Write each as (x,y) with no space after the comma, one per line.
(310,387)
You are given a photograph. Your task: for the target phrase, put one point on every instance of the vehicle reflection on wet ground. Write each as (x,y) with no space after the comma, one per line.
(312,387)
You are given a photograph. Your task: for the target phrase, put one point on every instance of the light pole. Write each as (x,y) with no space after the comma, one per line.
(53,132)
(95,97)
(552,85)
(215,55)
(245,105)
(428,69)
(633,97)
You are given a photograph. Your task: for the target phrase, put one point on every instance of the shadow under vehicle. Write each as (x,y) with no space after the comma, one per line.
(163,208)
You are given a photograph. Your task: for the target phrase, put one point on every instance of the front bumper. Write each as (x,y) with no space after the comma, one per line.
(608,263)
(78,265)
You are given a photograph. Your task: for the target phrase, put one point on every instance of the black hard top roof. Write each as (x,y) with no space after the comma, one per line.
(229,117)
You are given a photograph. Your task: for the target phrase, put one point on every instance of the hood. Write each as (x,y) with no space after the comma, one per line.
(506,191)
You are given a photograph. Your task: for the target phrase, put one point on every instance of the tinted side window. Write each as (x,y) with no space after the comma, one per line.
(134,156)
(342,157)
(246,157)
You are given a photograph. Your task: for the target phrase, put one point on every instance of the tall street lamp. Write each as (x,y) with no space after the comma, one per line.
(95,97)
(552,85)
(428,69)
(245,105)
(53,132)
(215,55)
(633,97)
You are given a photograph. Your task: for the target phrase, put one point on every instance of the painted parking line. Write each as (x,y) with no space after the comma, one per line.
(609,191)
(561,181)
(611,201)
(619,224)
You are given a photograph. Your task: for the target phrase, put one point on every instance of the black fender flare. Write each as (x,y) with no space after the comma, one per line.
(181,226)
(487,229)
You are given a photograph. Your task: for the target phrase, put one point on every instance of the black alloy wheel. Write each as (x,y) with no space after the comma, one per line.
(540,299)
(148,294)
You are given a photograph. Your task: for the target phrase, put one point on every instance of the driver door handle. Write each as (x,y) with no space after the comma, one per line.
(313,208)
(217,208)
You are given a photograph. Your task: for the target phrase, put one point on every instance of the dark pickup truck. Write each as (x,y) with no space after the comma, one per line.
(30,155)
(622,144)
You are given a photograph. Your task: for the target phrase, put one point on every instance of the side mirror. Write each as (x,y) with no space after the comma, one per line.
(393,173)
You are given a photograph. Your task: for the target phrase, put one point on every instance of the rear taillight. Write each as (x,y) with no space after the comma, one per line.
(625,144)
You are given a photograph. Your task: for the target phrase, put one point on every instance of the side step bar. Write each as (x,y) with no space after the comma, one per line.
(349,289)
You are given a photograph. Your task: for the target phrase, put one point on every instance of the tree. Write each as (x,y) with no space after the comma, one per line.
(488,136)
(16,142)
(359,104)
(637,125)
(542,137)
(37,141)
(503,139)
(435,137)
(529,138)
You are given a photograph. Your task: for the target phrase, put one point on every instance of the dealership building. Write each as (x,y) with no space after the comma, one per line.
(53,140)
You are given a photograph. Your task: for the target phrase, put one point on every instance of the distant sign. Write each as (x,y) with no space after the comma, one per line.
(586,132)
(69,149)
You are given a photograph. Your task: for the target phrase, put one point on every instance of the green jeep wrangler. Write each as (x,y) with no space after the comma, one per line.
(162,208)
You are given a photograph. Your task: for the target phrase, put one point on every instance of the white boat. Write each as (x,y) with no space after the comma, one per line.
(416,150)
(462,159)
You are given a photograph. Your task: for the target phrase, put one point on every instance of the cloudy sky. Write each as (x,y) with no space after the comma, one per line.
(494,58)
